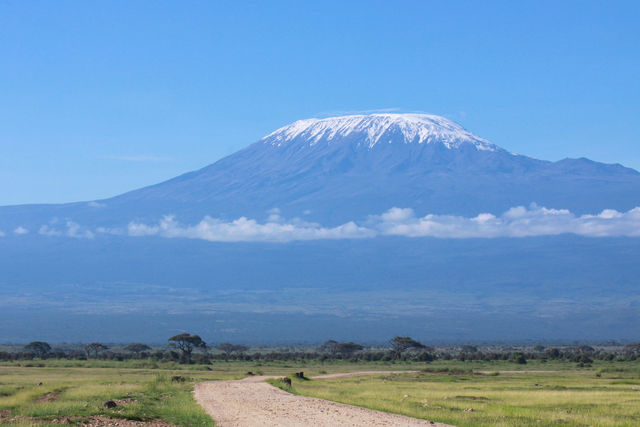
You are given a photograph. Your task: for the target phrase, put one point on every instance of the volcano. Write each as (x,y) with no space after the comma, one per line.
(340,169)
(355,228)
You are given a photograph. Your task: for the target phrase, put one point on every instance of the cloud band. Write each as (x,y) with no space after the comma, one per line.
(516,222)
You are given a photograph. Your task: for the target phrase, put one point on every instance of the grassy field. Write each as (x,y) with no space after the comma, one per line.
(75,390)
(76,393)
(538,394)
(607,394)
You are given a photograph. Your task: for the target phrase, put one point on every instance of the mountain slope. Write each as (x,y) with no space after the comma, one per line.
(332,171)
(346,168)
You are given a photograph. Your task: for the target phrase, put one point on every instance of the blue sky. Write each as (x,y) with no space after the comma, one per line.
(97,98)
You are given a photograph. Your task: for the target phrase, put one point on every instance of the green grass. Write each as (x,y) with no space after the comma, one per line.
(601,395)
(83,386)
(562,394)
(80,392)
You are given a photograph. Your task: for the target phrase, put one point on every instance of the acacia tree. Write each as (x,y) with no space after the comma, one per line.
(344,348)
(347,348)
(186,343)
(229,348)
(137,348)
(402,344)
(466,348)
(330,346)
(632,349)
(94,348)
(39,348)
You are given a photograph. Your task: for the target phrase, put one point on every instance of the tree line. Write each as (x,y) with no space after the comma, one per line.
(188,348)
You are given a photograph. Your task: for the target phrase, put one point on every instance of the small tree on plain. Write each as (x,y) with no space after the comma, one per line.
(329,346)
(402,344)
(39,348)
(137,348)
(632,349)
(553,353)
(229,348)
(186,343)
(95,348)
(520,359)
(466,348)
(585,349)
(347,348)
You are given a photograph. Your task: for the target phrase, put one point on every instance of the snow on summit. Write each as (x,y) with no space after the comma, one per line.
(373,129)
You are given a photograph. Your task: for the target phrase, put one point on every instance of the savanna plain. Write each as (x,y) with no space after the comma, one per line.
(463,393)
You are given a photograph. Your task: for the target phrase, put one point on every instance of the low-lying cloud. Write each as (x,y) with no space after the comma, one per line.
(70,229)
(516,222)
(20,230)
(250,230)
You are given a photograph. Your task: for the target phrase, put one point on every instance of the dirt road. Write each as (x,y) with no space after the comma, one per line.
(253,402)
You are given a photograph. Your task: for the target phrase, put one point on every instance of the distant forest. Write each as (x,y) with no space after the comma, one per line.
(187,348)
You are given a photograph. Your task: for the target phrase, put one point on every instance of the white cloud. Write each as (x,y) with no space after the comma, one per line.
(516,222)
(1,233)
(249,230)
(351,112)
(114,231)
(77,231)
(45,230)
(20,230)
(95,204)
(274,215)
(72,230)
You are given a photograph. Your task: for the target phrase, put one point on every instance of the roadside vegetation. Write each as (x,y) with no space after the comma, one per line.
(54,395)
(607,394)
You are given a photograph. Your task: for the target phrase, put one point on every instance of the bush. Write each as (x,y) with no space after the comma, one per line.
(520,359)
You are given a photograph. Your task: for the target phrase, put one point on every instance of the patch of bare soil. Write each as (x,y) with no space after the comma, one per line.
(519,372)
(6,419)
(361,374)
(49,397)
(101,421)
(253,402)
(95,421)
(125,402)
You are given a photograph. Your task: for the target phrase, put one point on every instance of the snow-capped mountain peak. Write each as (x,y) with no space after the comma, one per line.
(372,129)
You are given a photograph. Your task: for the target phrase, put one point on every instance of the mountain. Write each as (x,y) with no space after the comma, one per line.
(341,169)
(69,269)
